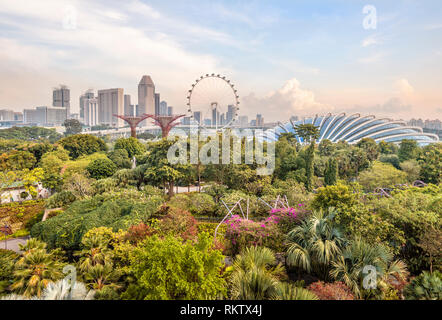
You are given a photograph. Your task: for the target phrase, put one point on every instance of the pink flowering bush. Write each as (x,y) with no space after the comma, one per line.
(242,233)
(287,218)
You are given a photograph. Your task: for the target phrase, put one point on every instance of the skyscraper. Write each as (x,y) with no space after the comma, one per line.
(146,97)
(230,113)
(91,112)
(259,120)
(127,106)
(110,102)
(197,116)
(61,98)
(163,108)
(87,95)
(169,110)
(157,104)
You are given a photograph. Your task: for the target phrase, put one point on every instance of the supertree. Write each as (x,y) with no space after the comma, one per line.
(133,121)
(166,123)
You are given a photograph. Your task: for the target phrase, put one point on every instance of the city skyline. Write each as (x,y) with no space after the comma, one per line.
(286,59)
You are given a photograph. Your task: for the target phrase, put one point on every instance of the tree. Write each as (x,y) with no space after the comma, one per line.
(309,133)
(131,145)
(408,149)
(431,163)
(331,172)
(387,147)
(78,185)
(30,134)
(412,169)
(349,267)
(381,175)
(17,160)
(315,243)
(196,270)
(72,126)
(35,269)
(30,179)
(370,147)
(255,274)
(121,158)
(101,168)
(157,169)
(326,148)
(82,144)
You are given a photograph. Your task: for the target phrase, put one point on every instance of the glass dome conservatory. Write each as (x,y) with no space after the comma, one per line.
(354,127)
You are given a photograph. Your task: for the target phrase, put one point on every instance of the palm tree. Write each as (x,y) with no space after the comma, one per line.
(256,274)
(287,291)
(60,290)
(315,243)
(358,254)
(35,269)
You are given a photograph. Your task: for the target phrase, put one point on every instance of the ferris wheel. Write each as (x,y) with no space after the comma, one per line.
(213,102)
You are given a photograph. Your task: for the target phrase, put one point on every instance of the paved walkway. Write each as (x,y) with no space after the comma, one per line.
(12,244)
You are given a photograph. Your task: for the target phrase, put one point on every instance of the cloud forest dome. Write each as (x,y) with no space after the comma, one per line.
(354,127)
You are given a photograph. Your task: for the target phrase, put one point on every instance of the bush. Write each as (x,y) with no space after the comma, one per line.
(82,144)
(116,210)
(7,262)
(381,175)
(61,199)
(131,145)
(101,168)
(331,291)
(426,286)
(241,233)
(170,269)
(179,223)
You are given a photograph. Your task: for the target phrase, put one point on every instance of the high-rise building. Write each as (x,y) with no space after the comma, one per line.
(222,119)
(127,106)
(87,95)
(91,112)
(146,97)
(243,121)
(230,113)
(110,102)
(197,116)
(18,116)
(259,120)
(157,104)
(163,108)
(215,117)
(44,116)
(7,115)
(169,110)
(61,98)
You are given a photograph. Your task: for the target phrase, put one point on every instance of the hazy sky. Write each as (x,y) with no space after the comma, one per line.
(285,57)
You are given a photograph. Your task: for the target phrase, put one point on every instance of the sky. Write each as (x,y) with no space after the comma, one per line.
(284,57)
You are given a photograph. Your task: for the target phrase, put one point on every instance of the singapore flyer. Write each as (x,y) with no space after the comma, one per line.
(213,102)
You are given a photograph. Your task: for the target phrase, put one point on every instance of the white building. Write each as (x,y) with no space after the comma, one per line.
(110,102)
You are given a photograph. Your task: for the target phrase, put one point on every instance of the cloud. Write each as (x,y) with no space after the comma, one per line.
(287,101)
(107,48)
(372,58)
(403,87)
(391,107)
(369,41)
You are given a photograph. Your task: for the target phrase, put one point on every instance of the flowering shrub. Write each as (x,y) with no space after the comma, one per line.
(180,223)
(287,218)
(138,233)
(331,291)
(242,233)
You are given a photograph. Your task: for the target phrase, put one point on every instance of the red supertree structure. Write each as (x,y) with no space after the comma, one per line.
(133,121)
(166,123)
